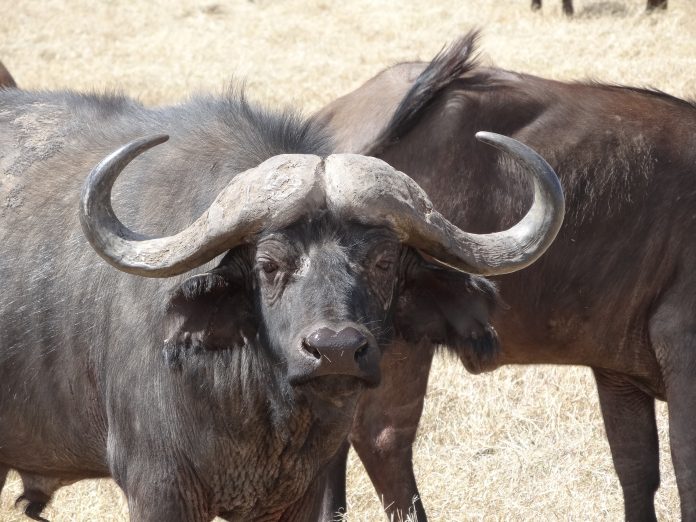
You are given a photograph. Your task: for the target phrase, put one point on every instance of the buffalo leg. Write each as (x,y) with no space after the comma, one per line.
(334,502)
(568,7)
(35,503)
(536,5)
(656,4)
(385,428)
(629,420)
(673,334)
(681,404)
(680,383)
(38,491)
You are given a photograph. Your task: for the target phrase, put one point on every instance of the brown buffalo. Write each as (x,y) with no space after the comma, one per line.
(616,291)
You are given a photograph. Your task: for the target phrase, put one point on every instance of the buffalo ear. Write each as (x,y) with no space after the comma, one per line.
(448,308)
(208,312)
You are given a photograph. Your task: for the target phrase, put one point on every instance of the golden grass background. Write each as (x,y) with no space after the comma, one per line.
(518,444)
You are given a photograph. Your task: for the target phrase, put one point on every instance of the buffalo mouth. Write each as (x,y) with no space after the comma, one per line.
(335,387)
(342,384)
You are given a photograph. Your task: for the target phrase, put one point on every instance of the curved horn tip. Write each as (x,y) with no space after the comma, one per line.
(110,167)
(140,145)
(524,152)
(484,135)
(492,138)
(117,160)
(148,142)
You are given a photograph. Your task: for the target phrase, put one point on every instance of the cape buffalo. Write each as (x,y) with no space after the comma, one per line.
(617,289)
(568,5)
(225,392)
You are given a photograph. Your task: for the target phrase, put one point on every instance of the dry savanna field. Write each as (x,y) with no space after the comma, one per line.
(517,444)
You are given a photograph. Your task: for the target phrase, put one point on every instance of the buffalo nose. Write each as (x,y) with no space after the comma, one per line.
(329,344)
(346,352)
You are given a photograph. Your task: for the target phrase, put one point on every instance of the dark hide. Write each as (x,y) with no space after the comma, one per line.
(179,388)
(568,5)
(616,291)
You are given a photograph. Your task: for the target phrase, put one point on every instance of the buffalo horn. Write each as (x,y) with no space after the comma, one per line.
(277,192)
(284,188)
(377,194)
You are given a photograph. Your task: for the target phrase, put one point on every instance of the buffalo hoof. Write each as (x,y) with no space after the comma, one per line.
(33,508)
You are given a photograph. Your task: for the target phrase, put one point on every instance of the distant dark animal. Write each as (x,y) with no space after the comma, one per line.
(6,79)
(568,5)
(617,289)
(226,392)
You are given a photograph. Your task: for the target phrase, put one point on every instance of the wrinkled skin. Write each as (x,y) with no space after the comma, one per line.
(190,391)
(616,291)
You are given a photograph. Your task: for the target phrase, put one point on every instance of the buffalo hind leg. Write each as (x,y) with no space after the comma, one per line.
(38,491)
(673,336)
(629,420)
(681,405)
(385,428)
(678,361)
(35,503)
(536,5)
(656,4)
(568,7)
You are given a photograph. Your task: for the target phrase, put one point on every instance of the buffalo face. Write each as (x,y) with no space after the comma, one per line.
(324,292)
(316,296)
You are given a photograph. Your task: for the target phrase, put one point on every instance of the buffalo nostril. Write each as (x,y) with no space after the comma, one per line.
(362,350)
(307,347)
(349,344)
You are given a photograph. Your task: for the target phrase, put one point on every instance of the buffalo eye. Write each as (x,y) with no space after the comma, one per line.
(268,266)
(384,263)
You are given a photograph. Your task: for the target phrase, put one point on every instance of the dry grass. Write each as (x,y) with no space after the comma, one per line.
(519,444)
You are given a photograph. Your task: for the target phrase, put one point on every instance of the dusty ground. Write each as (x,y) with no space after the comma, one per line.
(519,444)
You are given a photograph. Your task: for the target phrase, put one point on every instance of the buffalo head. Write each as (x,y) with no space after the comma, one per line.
(326,258)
